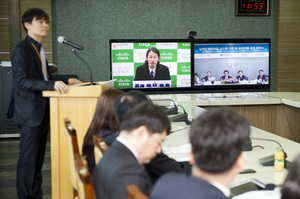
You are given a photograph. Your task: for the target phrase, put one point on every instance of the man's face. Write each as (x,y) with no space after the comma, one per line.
(151,146)
(240,74)
(226,74)
(152,59)
(261,73)
(37,28)
(208,74)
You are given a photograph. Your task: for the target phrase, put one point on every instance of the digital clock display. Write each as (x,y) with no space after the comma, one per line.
(246,5)
(252,7)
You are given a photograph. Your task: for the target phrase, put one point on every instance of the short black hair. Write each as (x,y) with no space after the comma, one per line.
(149,115)
(32,13)
(123,103)
(240,71)
(226,71)
(290,188)
(217,138)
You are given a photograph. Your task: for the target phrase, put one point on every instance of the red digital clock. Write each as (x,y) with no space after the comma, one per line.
(252,7)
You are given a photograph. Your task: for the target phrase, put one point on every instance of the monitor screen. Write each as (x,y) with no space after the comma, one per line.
(151,65)
(231,64)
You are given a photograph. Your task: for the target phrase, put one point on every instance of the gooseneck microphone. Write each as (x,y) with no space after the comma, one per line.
(62,40)
(76,47)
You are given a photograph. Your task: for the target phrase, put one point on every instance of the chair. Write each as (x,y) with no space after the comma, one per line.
(133,192)
(84,180)
(99,147)
(73,152)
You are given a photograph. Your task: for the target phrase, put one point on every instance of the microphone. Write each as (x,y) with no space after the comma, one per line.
(182,117)
(76,47)
(269,160)
(168,111)
(62,40)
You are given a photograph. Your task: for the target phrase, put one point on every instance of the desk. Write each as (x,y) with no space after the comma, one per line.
(264,174)
(275,112)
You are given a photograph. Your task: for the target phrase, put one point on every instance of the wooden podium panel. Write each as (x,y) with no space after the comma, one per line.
(79,106)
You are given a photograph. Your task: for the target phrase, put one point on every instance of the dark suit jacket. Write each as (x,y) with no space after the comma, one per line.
(159,165)
(27,105)
(162,73)
(179,186)
(264,77)
(241,78)
(118,168)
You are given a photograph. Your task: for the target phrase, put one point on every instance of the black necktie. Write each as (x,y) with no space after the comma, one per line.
(152,75)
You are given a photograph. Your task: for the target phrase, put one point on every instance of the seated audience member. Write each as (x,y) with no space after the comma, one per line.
(104,123)
(261,77)
(217,138)
(225,76)
(159,165)
(290,188)
(142,131)
(241,76)
(208,77)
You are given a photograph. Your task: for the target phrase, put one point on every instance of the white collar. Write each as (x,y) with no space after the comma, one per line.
(222,188)
(154,70)
(131,148)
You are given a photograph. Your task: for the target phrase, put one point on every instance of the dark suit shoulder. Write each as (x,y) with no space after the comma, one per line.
(177,186)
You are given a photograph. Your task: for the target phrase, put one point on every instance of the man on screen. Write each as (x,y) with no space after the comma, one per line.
(152,69)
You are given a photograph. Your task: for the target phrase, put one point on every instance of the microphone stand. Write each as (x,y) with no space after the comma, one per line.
(86,64)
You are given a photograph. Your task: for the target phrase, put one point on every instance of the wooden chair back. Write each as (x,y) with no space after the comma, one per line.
(99,147)
(84,180)
(133,192)
(73,152)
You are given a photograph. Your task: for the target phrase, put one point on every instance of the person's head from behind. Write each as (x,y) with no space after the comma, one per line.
(291,186)
(145,128)
(104,116)
(127,101)
(217,138)
(152,57)
(36,20)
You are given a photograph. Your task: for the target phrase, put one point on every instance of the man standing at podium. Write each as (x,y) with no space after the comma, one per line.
(28,107)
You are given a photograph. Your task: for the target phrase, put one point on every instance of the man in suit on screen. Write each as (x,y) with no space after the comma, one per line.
(152,69)
(142,131)
(217,138)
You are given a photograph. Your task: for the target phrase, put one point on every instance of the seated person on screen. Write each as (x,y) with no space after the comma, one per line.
(208,77)
(152,69)
(196,79)
(217,138)
(159,165)
(142,131)
(104,123)
(241,76)
(225,76)
(261,77)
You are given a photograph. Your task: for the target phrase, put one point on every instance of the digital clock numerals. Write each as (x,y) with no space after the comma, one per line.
(252,6)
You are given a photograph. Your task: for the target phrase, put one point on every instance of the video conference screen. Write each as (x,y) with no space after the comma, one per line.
(231,63)
(132,62)
(196,65)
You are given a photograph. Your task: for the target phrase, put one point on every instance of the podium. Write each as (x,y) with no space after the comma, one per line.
(79,106)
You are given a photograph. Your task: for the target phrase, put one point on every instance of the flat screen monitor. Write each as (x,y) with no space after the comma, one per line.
(130,69)
(231,65)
